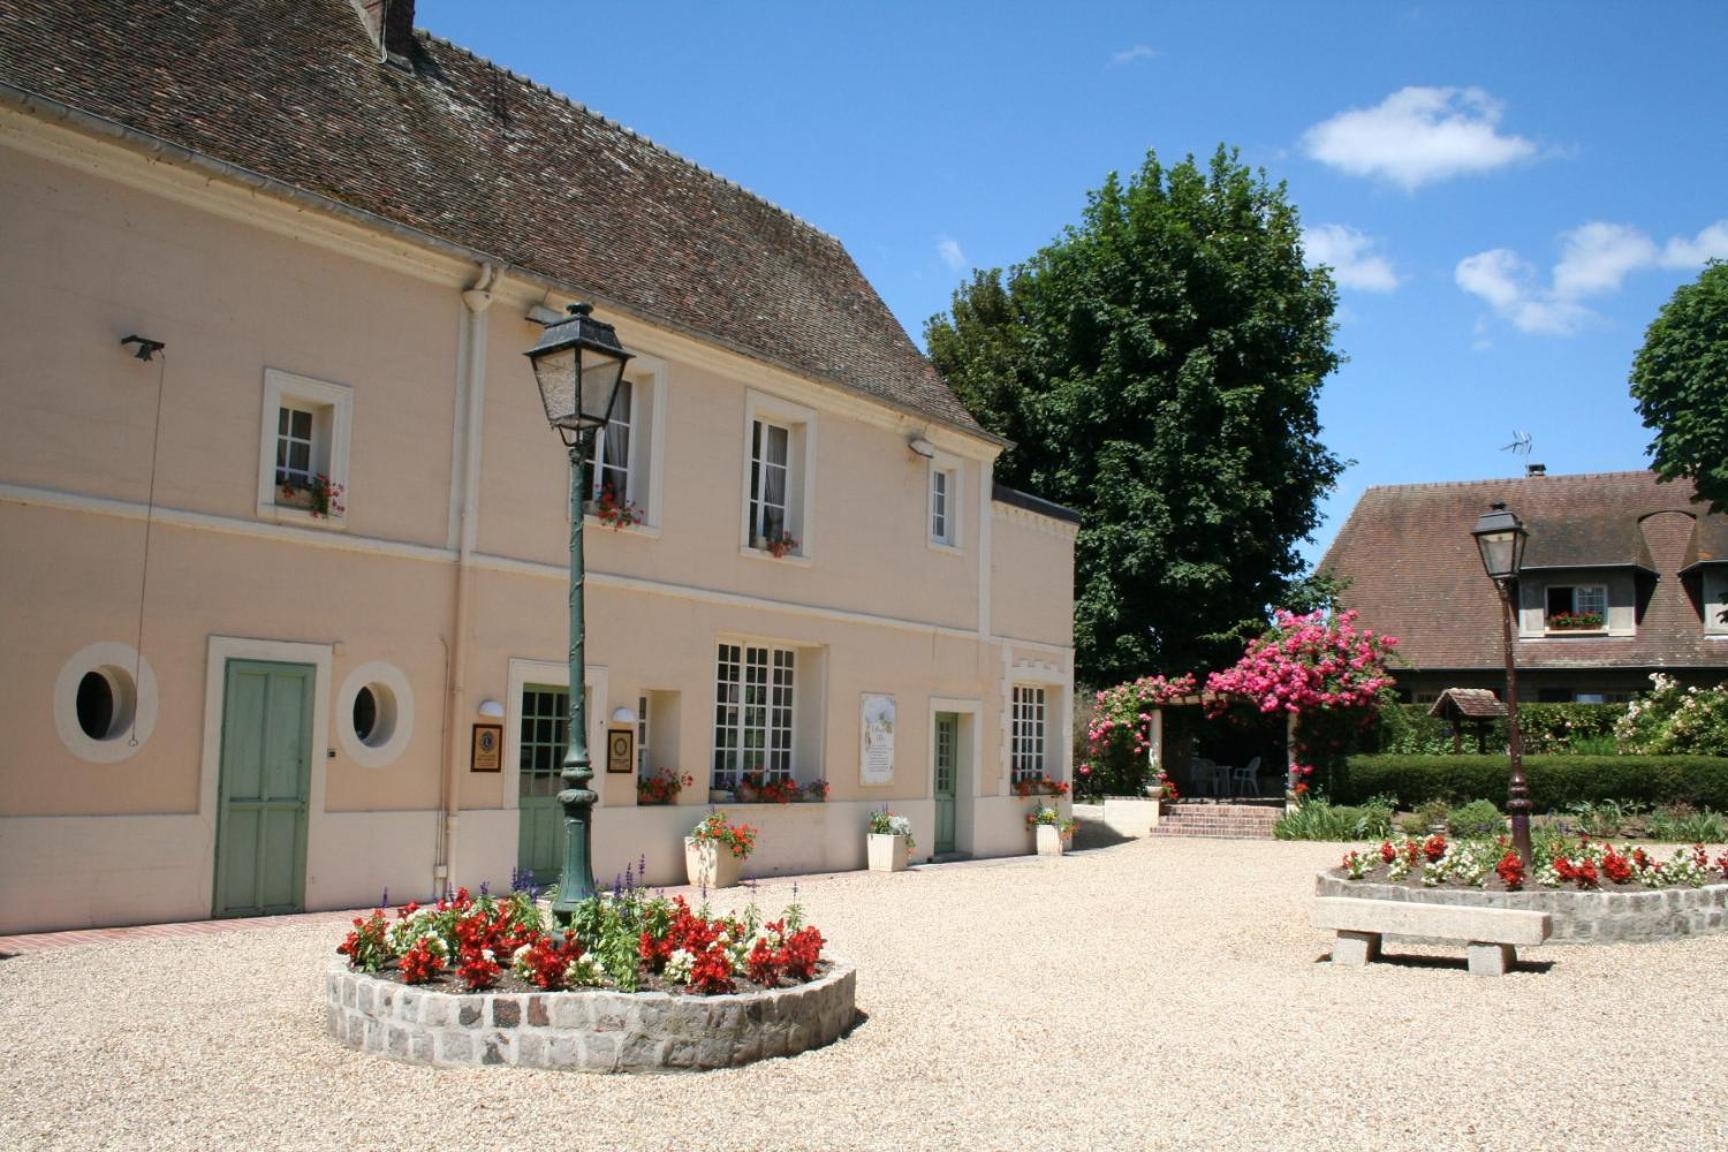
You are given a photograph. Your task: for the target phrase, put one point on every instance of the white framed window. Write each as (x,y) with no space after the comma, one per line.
(1027,728)
(945,502)
(642,762)
(770,476)
(375,714)
(303,450)
(1576,607)
(754,715)
(1716,601)
(105,702)
(778,487)
(611,467)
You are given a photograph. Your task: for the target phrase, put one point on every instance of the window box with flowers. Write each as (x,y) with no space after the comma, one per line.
(314,494)
(756,787)
(1040,786)
(661,788)
(715,851)
(1577,622)
(889,841)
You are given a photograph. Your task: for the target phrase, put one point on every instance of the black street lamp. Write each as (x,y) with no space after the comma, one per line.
(579,365)
(1500,538)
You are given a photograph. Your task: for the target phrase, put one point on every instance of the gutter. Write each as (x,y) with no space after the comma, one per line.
(36,104)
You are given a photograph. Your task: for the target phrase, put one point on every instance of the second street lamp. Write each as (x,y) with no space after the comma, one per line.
(1500,539)
(578,365)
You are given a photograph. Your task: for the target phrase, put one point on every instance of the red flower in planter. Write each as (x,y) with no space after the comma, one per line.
(1434,847)
(420,964)
(1616,867)
(1387,852)
(1511,871)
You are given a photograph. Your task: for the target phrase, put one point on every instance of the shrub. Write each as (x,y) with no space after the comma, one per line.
(1603,818)
(1683,824)
(1556,782)
(1671,720)
(1477,819)
(1581,729)
(1319,820)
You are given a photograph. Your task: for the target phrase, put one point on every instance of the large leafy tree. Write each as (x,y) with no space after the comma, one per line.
(1157,368)
(1680,380)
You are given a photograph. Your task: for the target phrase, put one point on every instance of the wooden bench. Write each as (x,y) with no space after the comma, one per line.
(1491,935)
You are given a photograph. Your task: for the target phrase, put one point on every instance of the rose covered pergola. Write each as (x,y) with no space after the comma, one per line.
(1322,671)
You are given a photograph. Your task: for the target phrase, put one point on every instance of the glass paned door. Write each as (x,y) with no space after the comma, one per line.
(540,832)
(947,775)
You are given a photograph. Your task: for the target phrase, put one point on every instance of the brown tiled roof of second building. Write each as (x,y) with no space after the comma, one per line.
(465,152)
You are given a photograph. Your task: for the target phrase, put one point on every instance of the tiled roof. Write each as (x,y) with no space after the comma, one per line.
(1468,704)
(471,154)
(1414,572)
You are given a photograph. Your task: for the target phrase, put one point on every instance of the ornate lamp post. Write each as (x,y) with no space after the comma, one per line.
(1500,538)
(578,364)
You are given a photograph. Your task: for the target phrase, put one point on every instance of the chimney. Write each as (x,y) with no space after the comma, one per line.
(399,27)
(1535,469)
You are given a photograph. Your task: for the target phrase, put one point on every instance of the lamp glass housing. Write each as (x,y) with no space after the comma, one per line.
(579,366)
(1500,539)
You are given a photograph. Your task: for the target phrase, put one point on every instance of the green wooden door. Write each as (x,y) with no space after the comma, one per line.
(266,783)
(947,771)
(540,820)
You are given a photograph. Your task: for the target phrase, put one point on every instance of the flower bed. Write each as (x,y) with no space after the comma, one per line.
(1595,892)
(483,953)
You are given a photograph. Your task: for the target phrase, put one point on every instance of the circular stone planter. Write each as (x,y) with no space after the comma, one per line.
(1605,916)
(587,1031)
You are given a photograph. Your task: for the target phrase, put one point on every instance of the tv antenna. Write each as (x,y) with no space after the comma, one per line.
(1520,445)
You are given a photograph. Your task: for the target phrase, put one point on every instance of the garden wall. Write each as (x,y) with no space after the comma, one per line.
(1601,917)
(588,1031)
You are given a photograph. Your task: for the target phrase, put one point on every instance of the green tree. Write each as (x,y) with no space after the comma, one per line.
(1157,368)
(1680,381)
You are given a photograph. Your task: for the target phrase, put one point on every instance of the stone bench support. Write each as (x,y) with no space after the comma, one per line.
(1491,935)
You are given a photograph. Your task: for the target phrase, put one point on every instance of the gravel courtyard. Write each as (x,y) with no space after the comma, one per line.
(1158,994)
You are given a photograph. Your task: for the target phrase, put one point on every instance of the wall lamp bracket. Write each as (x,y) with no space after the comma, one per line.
(147,348)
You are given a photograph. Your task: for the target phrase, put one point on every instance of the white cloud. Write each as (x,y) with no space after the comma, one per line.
(1595,260)
(1508,283)
(950,252)
(1130,55)
(1351,255)
(1710,244)
(1417,136)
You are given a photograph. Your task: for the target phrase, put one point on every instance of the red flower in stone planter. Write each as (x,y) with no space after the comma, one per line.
(1511,871)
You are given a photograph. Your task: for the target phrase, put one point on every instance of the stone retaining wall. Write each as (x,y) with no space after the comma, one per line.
(589,1031)
(1602,917)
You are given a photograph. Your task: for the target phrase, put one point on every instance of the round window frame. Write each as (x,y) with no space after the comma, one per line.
(395,699)
(108,658)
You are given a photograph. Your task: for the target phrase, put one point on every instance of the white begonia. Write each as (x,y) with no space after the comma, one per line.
(679,966)
(584,972)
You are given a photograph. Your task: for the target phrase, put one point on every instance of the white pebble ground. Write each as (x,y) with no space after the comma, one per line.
(1157,994)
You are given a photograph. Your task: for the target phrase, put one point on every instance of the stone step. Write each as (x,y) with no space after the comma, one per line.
(1220,821)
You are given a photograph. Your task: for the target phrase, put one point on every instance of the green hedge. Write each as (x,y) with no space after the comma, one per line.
(1407,729)
(1555,781)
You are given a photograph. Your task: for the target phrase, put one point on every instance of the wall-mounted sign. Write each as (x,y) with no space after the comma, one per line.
(876,758)
(621,749)
(488,751)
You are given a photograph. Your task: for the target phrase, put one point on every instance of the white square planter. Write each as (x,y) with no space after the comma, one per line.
(711,864)
(1050,840)
(888,852)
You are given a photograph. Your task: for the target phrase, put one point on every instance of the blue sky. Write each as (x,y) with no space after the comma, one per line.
(1509,191)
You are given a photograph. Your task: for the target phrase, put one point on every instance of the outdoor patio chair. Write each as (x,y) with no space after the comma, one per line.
(1246,780)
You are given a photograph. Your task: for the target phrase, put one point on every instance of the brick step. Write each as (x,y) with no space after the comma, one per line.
(1220,821)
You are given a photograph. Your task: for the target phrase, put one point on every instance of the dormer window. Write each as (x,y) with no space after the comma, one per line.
(1576,608)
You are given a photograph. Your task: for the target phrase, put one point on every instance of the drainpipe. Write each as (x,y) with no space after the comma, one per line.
(471,397)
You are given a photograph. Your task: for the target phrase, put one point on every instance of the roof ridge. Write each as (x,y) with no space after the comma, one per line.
(1548,477)
(628,131)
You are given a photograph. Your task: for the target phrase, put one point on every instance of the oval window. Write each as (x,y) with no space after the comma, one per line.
(96,706)
(365,714)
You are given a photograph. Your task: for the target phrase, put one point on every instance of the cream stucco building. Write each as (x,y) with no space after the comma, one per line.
(221,700)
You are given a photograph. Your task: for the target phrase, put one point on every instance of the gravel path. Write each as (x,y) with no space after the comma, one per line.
(1160,994)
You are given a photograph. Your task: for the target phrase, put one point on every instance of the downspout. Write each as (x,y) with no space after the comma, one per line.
(471,394)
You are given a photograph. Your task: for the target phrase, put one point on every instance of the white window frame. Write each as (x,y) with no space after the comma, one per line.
(553,674)
(1028,732)
(643,763)
(800,423)
(647,376)
(798,669)
(1715,589)
(1575,589)
(954,501)
(286,389)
